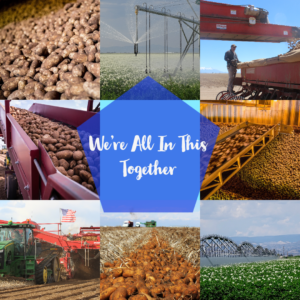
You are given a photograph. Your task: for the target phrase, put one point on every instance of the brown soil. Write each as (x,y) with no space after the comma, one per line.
(72,289)
(212,84)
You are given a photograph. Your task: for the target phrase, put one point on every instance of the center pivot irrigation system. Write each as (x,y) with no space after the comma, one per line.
(220,246)
(193,23)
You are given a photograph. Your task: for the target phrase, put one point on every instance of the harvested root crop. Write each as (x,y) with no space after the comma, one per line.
(62,143)
(54,57)
(273,174)
(226,150)
(153,270)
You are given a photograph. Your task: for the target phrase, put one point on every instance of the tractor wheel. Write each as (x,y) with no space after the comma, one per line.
(220,95)
(56,269)
(41,269)
(11,187)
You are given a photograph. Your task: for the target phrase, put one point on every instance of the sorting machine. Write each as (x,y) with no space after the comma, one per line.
(29,168)
(228,169)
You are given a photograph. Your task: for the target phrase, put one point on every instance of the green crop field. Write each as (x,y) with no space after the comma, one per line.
(120,72)
(264,280)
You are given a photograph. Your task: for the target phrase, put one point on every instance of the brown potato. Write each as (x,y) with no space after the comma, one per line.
(77,155)
(66,154)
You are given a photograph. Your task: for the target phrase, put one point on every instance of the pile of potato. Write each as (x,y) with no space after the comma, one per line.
(62,144)
(54,57)
(229,148)
(273,174)
(153,271)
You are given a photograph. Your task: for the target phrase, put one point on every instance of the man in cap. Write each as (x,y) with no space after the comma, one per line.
(232,60)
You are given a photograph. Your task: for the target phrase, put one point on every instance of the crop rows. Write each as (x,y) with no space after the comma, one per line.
(120,72)
(265,280)
(141,263)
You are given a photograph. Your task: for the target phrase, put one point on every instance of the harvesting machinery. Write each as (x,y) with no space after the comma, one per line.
(30,252)
(274,78)
(29,167)
(151,223)
(127,224)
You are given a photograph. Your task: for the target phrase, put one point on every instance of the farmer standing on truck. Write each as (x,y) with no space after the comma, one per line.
(232,60)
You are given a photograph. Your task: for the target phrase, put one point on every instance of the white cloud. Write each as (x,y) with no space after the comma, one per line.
(87,213)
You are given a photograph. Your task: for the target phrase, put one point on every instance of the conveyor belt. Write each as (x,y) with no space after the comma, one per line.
(228,169)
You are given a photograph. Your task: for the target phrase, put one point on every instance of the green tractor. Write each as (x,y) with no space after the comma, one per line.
(151,223)
(18,255)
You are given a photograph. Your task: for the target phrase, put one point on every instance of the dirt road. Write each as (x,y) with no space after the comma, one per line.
(212,84)
(71,289)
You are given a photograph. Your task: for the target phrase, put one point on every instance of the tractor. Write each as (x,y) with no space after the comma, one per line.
(19,251)
(151,223)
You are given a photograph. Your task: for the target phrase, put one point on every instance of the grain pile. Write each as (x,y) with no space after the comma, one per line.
(152,270)
(226,150)
(274,174)
(62,143)
(54,57)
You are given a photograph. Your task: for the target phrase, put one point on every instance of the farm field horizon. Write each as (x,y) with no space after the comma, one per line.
(120,72)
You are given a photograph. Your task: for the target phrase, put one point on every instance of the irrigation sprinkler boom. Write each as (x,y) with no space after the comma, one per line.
(192,23)
(167,14)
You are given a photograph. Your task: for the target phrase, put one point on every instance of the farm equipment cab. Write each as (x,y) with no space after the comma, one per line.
(18,255)
(151,223)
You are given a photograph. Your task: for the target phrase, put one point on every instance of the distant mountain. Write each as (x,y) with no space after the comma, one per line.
(281,243)
(210,70)
(276,239)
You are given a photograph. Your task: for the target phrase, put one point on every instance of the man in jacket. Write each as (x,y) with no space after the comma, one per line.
(232,60)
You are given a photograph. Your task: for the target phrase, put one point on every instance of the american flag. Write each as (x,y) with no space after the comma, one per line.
(68,215)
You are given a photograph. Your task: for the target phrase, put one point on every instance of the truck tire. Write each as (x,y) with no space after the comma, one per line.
(11,187)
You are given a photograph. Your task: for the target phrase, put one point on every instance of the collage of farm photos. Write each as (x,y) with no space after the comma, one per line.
(198,147)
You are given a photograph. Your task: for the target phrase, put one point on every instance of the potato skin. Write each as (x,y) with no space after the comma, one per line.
(66,154)
(107,293)
(77,155)
(119,293)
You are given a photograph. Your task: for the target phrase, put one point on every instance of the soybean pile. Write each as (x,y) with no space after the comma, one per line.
(62,143)
(274,174)
(53,57)
(148,266)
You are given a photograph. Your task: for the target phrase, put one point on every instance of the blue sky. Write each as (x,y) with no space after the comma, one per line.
(250,218)
(87,213)
(163,219)
(282,13)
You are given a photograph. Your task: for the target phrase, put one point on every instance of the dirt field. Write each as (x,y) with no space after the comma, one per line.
(212,84)
(71,289)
